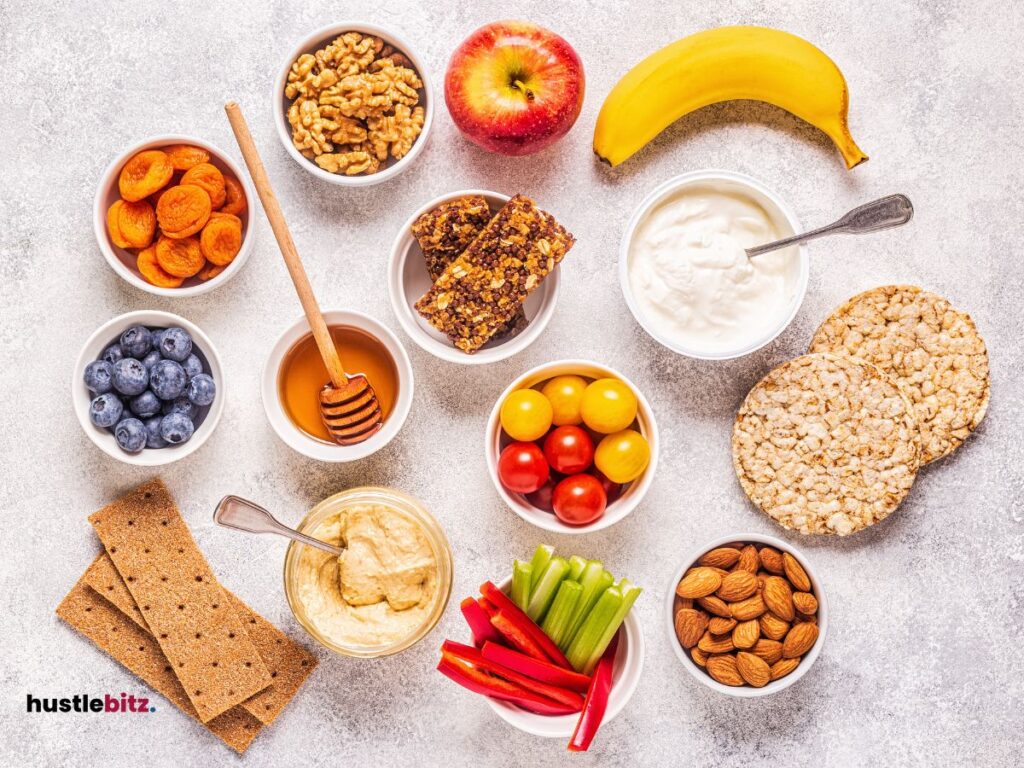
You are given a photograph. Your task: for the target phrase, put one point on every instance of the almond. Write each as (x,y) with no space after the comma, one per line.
(746,633)
(722,557)
(699,657)
(719,626)
(778,597)
(799,640)
(769,650)
(715,605)
(753,669)
(783,668)
(684,602)
(699,582)
(772,626)
(803,618)
(748,560)
(795,573)
(737,585)
(723,669)
(690,625)
(805,603)
(771,559)
(716,644)
(748,609)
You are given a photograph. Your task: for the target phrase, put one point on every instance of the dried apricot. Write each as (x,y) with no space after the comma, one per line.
(181,258)
(185,156)
(235,202)
(183,210)
(210,271)
(153,272)
(113,229)
(220,240)
(210,178)
(144,174)
(137,223)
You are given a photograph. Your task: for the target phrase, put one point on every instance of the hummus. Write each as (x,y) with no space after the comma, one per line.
(381,590)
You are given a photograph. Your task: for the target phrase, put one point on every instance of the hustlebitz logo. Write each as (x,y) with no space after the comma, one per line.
(125,704)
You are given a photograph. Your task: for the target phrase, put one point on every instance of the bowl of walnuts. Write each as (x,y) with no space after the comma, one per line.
(352,104)
(747,615)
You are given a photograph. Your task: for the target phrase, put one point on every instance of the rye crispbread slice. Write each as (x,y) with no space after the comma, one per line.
(932,350)
(186,609)
(826,444)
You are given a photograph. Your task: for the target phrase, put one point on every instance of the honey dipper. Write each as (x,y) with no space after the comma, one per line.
(348,405)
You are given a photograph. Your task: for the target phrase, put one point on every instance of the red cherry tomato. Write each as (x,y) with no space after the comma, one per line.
(569,450)
(611,490)
(579,500)
(522,469)
(541,498)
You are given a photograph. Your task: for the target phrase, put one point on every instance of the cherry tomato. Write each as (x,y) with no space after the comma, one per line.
(612,491)
(522,469)
(623,456)
(568,449)
(541,498)
(526,415)
(565,394)
(579,500)
(608,405)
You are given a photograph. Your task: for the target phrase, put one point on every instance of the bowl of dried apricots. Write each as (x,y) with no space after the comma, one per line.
(172,216)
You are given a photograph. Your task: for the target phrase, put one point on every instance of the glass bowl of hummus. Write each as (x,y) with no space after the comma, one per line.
(388,589)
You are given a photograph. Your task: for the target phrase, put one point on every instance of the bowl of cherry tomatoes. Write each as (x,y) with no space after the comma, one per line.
(572,446)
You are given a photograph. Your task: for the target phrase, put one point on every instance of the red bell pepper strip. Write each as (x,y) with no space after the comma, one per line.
(480,682)
(597,701)
(505,605)
(471,655)
(478,621)
(516,637)
(535,668)
(487,606)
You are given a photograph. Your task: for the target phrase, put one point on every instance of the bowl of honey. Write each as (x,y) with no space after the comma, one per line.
(294,375)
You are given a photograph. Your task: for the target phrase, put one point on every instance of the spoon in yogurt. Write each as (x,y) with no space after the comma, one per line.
(244,515)
(884,213)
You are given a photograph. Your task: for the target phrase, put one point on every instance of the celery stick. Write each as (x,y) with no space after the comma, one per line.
(576,566)
(595,580)
(521,580)
(546,588)
(541,557)
(556,623)
(629,596)
(593,628)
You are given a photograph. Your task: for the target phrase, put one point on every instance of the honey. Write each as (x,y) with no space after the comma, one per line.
(302,375)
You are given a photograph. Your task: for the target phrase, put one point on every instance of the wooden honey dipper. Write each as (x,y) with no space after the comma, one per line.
(348,405)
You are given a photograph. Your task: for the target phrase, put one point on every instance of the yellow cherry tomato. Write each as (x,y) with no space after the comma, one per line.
(526,415)
(608,405)
(565,394)
(622,456)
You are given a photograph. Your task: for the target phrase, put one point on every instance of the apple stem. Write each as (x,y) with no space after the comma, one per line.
(522,87)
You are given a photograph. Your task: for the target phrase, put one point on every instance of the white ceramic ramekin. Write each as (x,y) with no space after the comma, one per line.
(785,220)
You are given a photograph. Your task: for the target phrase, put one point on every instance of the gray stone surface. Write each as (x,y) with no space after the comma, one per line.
(922,665)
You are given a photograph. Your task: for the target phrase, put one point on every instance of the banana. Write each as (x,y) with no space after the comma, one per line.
(721,65)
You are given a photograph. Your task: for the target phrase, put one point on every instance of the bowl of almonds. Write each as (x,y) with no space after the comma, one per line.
(747,615)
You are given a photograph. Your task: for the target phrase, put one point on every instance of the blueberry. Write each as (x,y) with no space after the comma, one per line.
(130,435)
(112,354)
(105,410)
(153,438)
(155,335)
(130,376)
(144,405)
(176,428)
(136,342)
(176,344)
(152,359)
(201,389)
(181,405)
(98,375)
(193,366)
(167,380)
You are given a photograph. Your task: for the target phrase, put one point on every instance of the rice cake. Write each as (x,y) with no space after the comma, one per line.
(933,351)
(826,444)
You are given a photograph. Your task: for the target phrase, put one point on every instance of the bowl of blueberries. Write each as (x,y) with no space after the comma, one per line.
(147,388)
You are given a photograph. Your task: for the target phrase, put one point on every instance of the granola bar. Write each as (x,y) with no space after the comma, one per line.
(478,293)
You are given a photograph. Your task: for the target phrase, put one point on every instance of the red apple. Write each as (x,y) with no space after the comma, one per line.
(514,87)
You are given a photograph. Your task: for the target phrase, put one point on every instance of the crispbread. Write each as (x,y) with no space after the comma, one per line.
(183,604)
(933,351)
(123,640)
(826,444)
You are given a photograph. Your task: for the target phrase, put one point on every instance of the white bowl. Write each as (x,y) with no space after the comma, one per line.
(123,261)
(746,691)
(317,449)
(408,281)
(110,332)
(629,663)
(280,104)
(785,220)
(630,497)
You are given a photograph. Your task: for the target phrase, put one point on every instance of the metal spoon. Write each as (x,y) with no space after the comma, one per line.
(886,212)
(244,515)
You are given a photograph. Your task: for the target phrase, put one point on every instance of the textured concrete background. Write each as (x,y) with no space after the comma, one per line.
(922,665)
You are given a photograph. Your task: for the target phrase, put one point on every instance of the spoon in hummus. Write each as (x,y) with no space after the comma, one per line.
(244,515)
(884,213)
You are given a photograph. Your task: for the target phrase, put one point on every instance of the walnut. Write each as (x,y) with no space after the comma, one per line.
(359,95)
(308,126)
(349,163)
(304,81)
(395,132)
(350,54)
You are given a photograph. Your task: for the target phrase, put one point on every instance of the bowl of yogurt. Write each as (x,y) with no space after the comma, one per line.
(684,270)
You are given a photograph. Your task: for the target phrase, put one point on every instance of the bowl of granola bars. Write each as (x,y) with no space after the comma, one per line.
(473,275)
(353,104)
